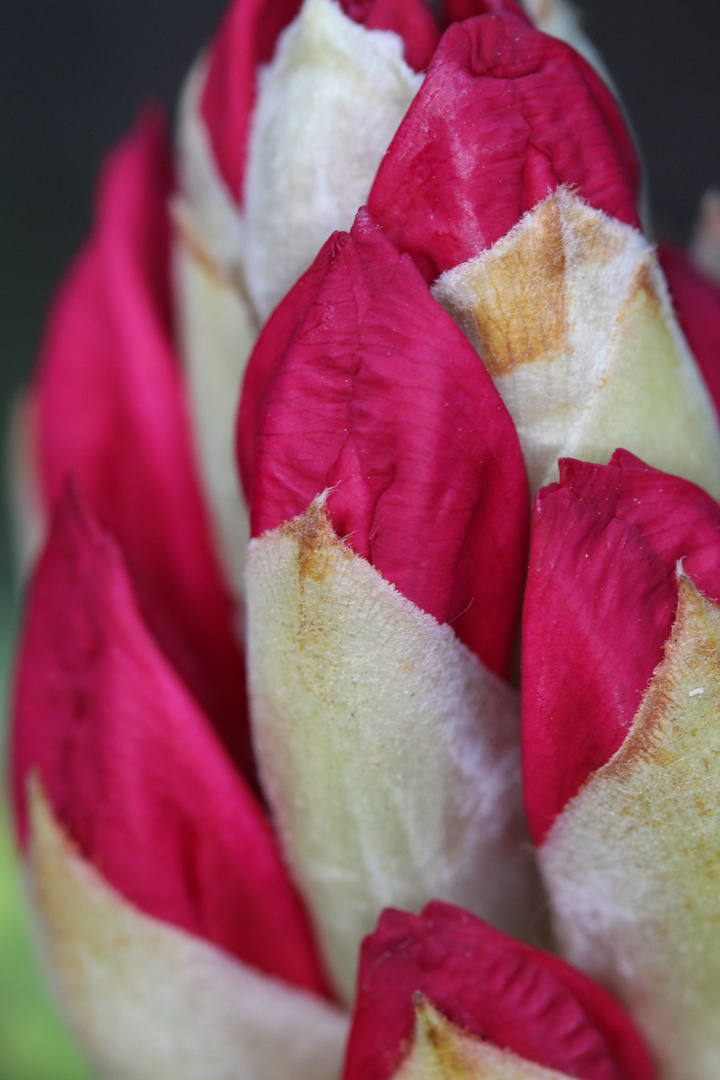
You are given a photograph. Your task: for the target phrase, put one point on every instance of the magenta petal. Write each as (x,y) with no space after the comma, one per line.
(362,383)
(134,771)
(111,411)
(697,303)
(505,115)
(514,996)
(600,602)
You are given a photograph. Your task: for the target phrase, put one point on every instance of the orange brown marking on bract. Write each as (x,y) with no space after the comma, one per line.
(657,716)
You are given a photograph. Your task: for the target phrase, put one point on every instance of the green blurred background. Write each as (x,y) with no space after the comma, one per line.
(73,73)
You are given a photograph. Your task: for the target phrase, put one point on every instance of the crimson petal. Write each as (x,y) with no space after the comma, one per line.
(362,383)
(599,606)
(491,986)
(111,412)
(458,10)
(132,768)
(505,115)
(246,40)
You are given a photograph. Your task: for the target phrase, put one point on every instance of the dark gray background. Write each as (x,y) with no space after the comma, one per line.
(73,74)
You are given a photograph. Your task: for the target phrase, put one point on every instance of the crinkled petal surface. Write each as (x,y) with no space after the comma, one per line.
(148,1000)
(133,770)
(362,383)
(110,410)
(600,602)
(491,986)
(539,116)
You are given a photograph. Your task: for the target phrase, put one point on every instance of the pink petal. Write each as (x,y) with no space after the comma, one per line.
(362,383)
(490,985)
(246,40)
(697,303)
(111,411)
(505,115)
(600,602)
(132,768)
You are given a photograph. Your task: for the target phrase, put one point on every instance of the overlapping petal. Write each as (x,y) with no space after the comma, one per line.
(133,769)
(362,384)
(147,999)
(387,495)
(631,863)
(599,605)
(111,411)
(246,40)
(540,117)
(489,986)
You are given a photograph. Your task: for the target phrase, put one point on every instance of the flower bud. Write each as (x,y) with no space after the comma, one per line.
(559,292)
(146,999)
(281,132)
(364,371)
(443,994)
(155,874)
(539,117)
(621,695)
(388,750)
(111,412)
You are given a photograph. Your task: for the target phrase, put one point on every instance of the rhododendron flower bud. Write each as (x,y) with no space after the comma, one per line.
(282,128)
(388,750)
(443,994)
(485,304)
(620,702)
(565,304)
(173,935)
(108,407)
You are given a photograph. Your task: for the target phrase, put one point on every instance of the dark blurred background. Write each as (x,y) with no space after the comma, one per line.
(73,74)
